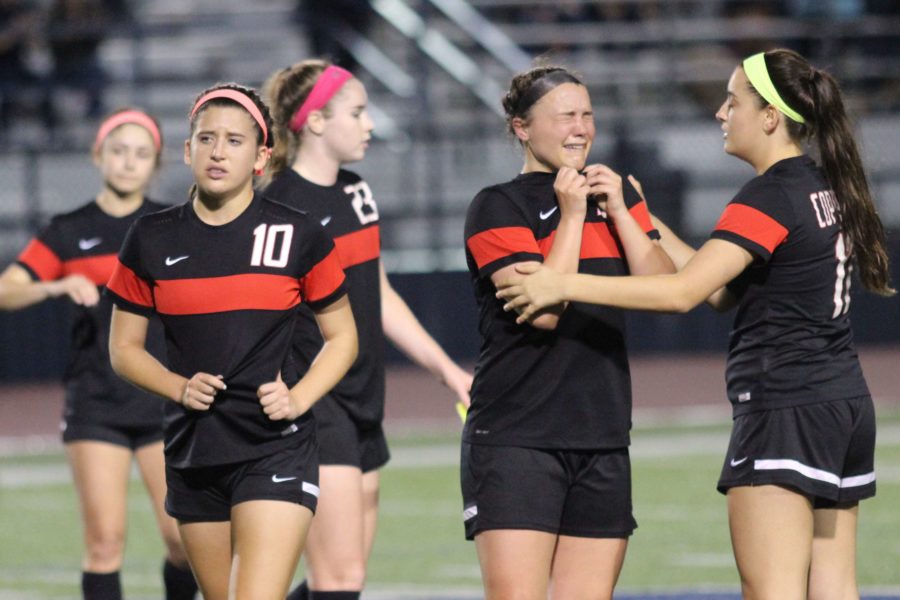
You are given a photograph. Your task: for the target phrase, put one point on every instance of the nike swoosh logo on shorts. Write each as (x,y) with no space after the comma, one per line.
(88,244)
(277,479)
(171,261)
(325,221)
(546,215)
(739,461)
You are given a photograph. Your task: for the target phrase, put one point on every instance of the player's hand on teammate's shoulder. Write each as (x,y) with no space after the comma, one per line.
(200,391)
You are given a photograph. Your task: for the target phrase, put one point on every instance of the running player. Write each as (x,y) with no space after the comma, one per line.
(225,272)
(106,422)
(802,443)
(322,124)
(546,479)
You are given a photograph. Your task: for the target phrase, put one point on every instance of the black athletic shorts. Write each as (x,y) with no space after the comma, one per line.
(342,442)
(206,494)
(580,493)
(131,437)
(825,451)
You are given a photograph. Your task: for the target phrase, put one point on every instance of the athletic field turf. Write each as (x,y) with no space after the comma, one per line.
(680,551)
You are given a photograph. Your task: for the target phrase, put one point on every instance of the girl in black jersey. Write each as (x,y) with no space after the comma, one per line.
(225,273)
(545,475)
(802,445)
(106,423)
(321,124)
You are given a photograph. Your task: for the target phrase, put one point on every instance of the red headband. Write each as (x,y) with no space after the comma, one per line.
(242,99)
(135,117)
(328,84)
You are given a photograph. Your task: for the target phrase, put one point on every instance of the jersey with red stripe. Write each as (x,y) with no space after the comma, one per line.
(350,215)
(85,242)
(792,343)
(569,388)
(227,296)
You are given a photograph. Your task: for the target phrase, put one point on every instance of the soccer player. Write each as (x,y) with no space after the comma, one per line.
(106,422)
(321,124)
(803,438)
(546,478)
(225,272)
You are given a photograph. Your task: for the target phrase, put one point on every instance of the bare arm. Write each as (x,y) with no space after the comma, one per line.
(571,189)
(330,365)
(18,290)
(404,330)
(681,253)
(643,255)
(714,265)
(131,361)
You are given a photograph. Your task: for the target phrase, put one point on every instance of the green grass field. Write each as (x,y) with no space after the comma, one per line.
(682,542)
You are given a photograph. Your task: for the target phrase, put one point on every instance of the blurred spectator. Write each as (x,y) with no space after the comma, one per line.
(76,28)
(18,84)
(323,20)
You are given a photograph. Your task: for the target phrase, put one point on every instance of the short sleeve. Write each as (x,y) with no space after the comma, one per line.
(128,286)
(323,284)
(637,206)
(41,257)
(498,234)
(758,219)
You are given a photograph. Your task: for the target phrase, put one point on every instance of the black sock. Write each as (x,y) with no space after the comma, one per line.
(101,586)
(180,583)
(314,595)
(301,592)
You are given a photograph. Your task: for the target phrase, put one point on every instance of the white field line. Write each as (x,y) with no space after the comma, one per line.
(645,445)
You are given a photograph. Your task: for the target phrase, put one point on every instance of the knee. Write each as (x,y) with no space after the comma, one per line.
(104,550)
(340,577)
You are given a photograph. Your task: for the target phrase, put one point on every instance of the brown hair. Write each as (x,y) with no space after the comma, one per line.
(528,87)
(817,97)
(247,91)
(285,91)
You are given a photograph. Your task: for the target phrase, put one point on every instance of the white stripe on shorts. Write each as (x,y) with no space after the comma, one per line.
(470,512)
(813,473)
(311,489)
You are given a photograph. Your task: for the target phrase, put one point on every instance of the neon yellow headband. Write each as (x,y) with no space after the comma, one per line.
(758,74)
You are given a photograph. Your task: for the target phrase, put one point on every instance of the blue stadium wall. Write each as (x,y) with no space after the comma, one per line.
(34,342)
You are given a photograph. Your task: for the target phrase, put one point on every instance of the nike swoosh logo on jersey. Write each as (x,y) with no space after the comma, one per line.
(736,462)
(326,221)
(277,479)
(88,244)
(171,261)
(546,215)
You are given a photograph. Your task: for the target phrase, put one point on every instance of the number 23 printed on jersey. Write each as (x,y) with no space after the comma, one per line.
(362,202)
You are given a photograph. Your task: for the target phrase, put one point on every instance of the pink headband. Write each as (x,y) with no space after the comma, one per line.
(329,82)
(135,117)
(241,99)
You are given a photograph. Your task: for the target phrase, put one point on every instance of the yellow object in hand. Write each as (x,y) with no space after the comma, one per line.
(461,410)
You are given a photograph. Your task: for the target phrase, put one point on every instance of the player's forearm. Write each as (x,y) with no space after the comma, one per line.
(661,293)
(643,255)
(16,296)
(566,248)
(329,367)
(137,366)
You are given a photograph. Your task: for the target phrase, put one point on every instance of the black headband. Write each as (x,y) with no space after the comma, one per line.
(541,86)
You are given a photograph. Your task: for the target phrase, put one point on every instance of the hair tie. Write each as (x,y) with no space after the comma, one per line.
(326,86)
(758,74)
(124,117)
(241,98)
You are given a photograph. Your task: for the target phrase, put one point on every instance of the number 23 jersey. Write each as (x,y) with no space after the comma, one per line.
(792,343)
(227,296)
